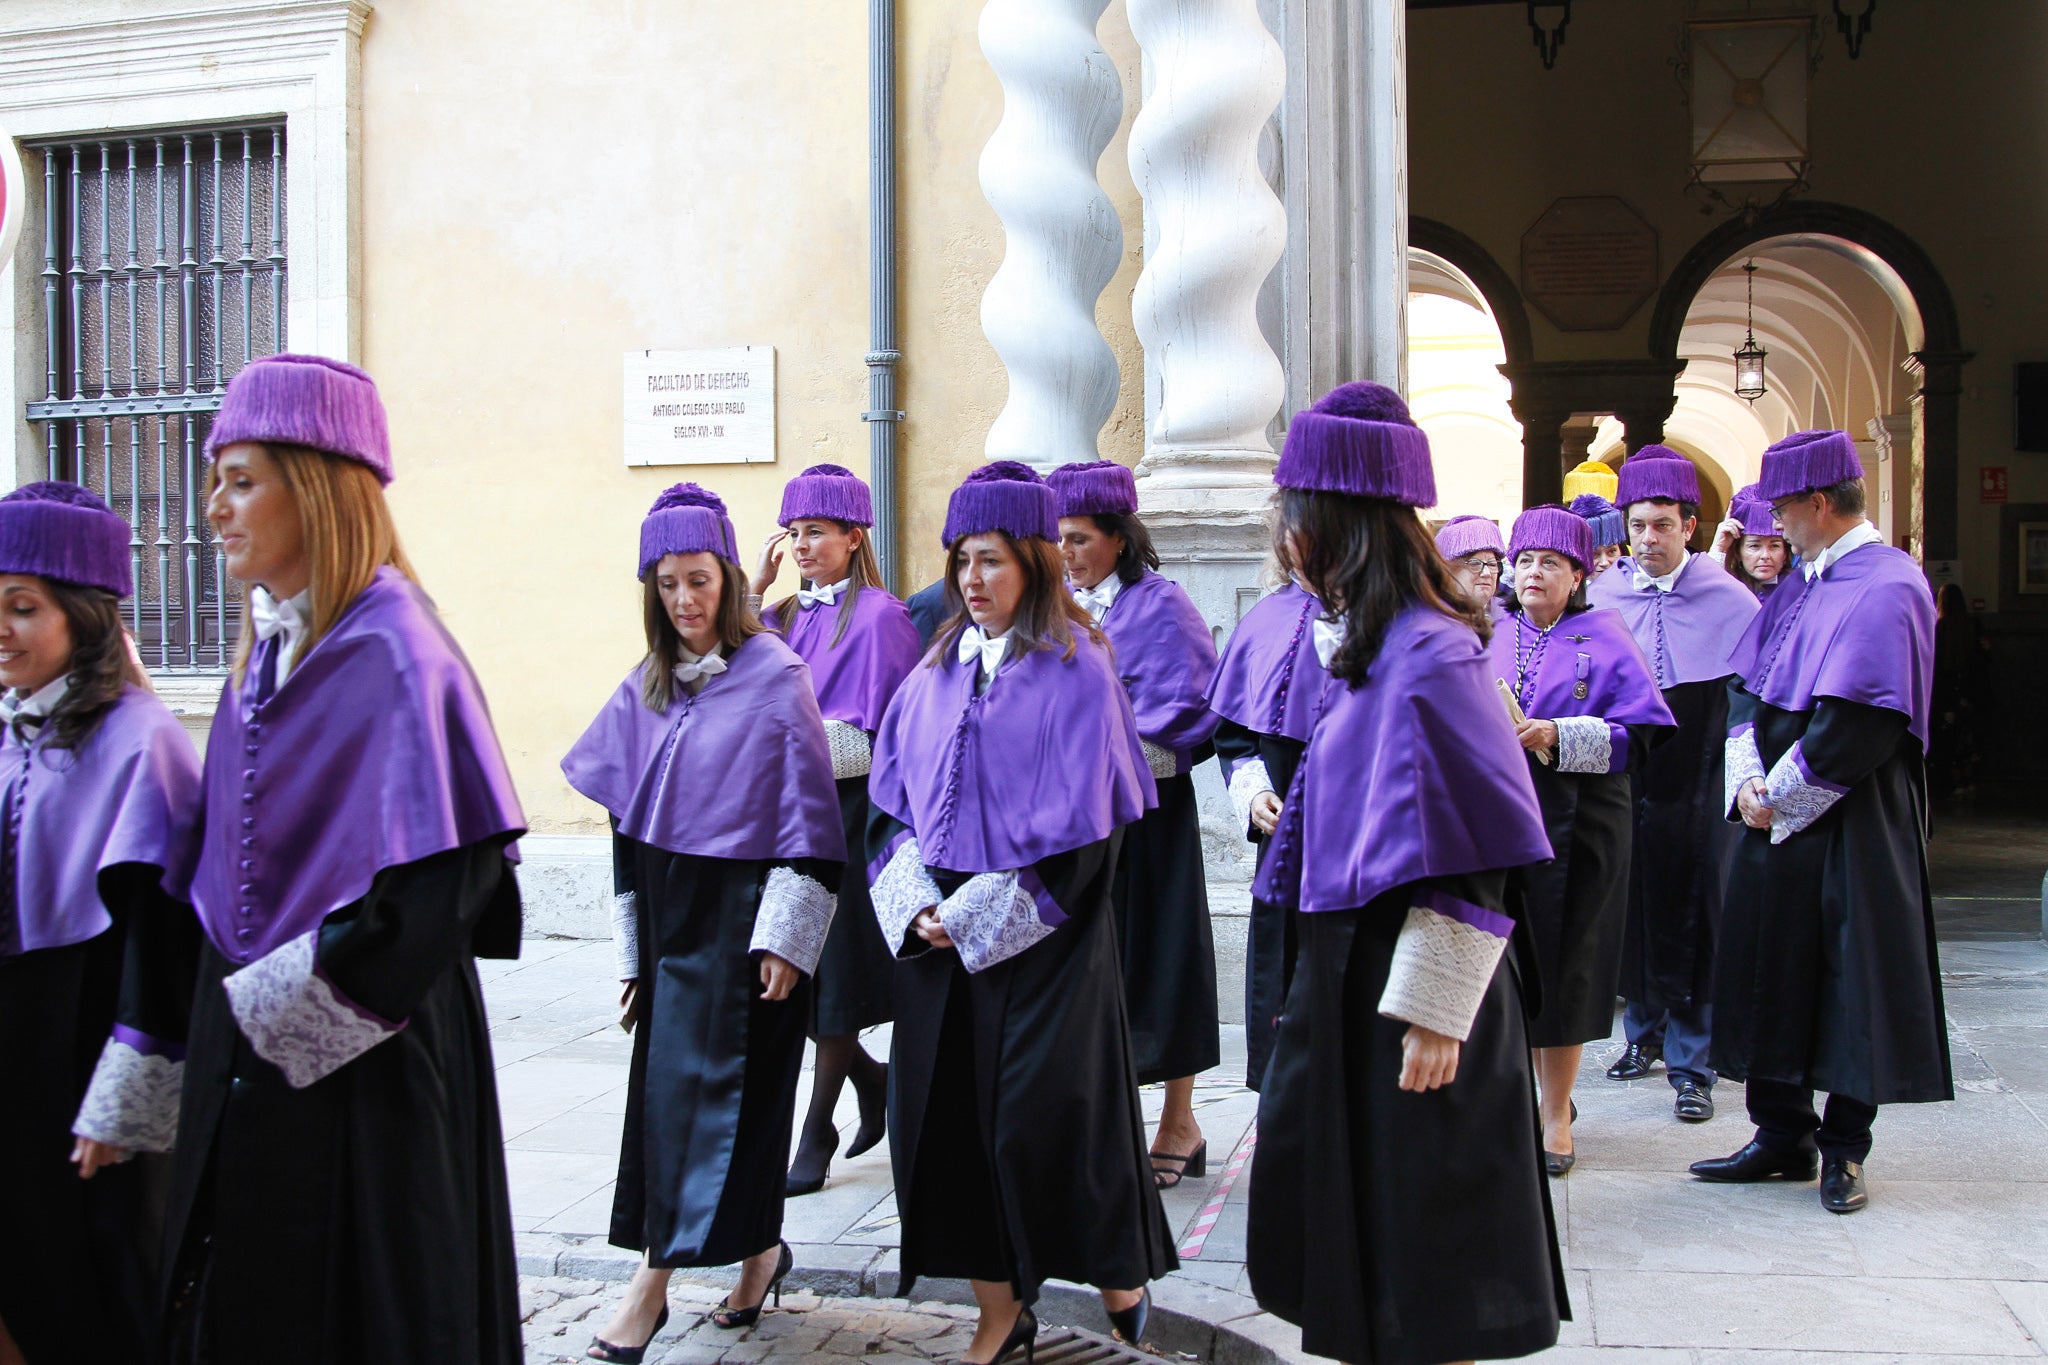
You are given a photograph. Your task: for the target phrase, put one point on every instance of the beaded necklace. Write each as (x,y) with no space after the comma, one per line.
(1527,664)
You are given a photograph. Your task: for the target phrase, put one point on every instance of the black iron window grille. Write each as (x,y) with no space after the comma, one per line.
(163,274)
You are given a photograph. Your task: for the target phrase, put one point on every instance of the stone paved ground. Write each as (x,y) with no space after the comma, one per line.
(1950,1262)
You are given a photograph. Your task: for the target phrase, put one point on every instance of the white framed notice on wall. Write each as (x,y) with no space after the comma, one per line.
(700,407)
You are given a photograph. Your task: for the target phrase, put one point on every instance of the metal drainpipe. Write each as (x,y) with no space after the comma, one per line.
(882,414)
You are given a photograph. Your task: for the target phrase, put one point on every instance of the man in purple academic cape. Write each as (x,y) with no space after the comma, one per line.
(1687,615)
(1828,978)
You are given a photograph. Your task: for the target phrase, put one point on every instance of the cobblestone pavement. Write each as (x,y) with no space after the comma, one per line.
(563,1314)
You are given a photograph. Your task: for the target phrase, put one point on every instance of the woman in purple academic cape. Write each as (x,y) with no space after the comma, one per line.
(1398,1208)
(1004,772)
(338,1188)
(1165,658)
(727,849)
(1751,545)
(1591,709)
(860,645)
(98,785)
(1264,697)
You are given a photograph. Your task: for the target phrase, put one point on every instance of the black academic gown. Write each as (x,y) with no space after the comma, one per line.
(856,975)
(1828,976)
(1269,956)
(1014,1124)
(1394,1226)
(80,1259)
(711,1095)
(1578,902)
(364,1217)
(1161,898)
(1681,853)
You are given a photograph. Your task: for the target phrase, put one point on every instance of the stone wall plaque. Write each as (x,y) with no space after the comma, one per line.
(700,407)
(1589,262)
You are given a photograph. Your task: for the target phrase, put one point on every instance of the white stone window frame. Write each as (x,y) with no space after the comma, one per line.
(227,62)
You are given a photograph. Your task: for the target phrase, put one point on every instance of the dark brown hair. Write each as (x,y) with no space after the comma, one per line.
(1047,617)
(1137,554)
(1367,559)
(864,569)
(102,664)
(664,643)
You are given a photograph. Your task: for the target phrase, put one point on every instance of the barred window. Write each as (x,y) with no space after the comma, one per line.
(163,274)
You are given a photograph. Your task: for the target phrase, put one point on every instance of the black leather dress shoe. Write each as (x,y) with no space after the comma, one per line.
(1757,1162)
(1694,1104)
(1635,1062)
(1841,1186)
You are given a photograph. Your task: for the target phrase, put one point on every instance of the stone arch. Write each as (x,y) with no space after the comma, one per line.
(1503,297)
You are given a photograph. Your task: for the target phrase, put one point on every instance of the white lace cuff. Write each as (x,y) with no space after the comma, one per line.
(1743,761)
(1443,964)
(795,912)
(1585,744)
(1796,797)
(1162,762)
(1247,784)
(626,934)
(902,891)
(991,918)
(853,754)
(295,1019)
(132,1101)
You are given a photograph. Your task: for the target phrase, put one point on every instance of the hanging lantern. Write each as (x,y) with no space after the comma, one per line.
(1749,357)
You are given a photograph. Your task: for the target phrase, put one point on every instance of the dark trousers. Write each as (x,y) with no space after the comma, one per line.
(1785,1121)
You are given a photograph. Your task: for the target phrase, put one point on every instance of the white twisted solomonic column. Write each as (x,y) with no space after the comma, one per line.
(1213,231)
(1062,101)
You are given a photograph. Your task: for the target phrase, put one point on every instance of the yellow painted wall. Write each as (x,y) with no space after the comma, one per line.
(546,187)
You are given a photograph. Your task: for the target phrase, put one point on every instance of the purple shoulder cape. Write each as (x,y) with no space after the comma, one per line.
(1864,632)
(376,751)
(1269,677)
(1415,774)
(1590,647)
(1166,659)
(741,770)
(1046,761)
(856,677)
(1687,633)
(129,794)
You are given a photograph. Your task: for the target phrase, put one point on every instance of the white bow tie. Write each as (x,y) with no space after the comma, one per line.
(827,595)
(271,616)
(1096,600)
(1327,635)
(973,644)
(710,666)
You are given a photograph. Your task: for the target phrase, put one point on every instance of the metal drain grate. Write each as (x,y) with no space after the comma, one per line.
(1072,1346)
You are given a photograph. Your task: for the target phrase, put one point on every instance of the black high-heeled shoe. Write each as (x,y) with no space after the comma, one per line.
(1129,1323)
(732,1319)
(874,1118)
(600,1349)
(1023,1332)
(793,1188)
(1193,1166)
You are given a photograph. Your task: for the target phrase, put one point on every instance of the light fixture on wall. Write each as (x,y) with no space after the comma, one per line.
(1749,357)
(1852,18)
(1548,28)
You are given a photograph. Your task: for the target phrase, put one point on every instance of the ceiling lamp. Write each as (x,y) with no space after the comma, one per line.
(1749,357)
(1853,20)
(1549,29)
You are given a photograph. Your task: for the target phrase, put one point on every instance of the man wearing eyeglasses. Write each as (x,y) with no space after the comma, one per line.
(1828,978)
(1687,614)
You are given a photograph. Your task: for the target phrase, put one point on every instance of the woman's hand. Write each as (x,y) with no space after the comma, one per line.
(89,1155)
(1725,536)
(1266,812)
(769,565)
(1749,802)
(1428,1059)
(1537,736)
(778,977)
(930,929)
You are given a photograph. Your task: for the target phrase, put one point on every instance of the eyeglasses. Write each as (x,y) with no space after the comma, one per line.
(1778,508)
(1481,568)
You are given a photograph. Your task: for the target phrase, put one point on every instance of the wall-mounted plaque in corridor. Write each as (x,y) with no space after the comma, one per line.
(1589,262)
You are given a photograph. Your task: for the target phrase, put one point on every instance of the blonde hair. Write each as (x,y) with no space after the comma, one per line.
(349,536)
